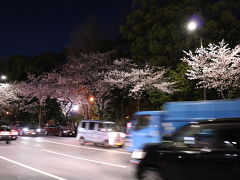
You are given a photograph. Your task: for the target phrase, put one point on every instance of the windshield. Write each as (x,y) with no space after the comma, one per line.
(4,128)
(111,127)
(195,136)
(141,121)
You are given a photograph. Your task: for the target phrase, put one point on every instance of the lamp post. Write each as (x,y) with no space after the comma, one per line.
(193,26)
(91,101)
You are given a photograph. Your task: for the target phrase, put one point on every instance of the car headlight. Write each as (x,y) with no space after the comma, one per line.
(38,130)
(25,129)
(138,154)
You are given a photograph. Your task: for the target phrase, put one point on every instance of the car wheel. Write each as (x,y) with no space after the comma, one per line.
(106,144)
(150,174)
(46,132)
(60,133)
(82,141)
(8,142)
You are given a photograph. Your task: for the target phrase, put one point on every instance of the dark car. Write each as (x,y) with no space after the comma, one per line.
(66,131)
(208,150)
(59,130)
(51,130)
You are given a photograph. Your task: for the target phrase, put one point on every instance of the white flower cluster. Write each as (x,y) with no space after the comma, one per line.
(216,66)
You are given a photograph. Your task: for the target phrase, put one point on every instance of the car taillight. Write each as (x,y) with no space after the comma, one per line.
(4,132)
(13,132)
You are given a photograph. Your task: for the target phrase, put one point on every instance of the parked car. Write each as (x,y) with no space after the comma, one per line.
(51,130)
(100,132)
(6,133)
(205,150)
(66,131)
(29,131)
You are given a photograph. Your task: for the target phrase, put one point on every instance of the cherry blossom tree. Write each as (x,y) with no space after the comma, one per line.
(137,80)
(8,95)
(215,67)
(53,85)
(88,71)
(11,99)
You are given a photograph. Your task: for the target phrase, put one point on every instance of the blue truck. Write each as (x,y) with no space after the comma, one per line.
(151,126)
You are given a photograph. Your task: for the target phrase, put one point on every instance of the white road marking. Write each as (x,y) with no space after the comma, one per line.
(31,168)
(97,149)
(85,159)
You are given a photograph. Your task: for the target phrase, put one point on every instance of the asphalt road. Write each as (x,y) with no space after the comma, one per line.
(62,158)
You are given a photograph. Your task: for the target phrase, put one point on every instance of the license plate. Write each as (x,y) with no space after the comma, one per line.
(118,143)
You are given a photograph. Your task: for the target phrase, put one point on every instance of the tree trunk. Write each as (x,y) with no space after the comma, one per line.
(69,110)
(40,116)
(138,105)
(205,93)
(223,96)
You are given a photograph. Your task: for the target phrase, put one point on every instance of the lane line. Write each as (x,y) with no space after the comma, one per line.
(33,169)
(96,149)
(85,159)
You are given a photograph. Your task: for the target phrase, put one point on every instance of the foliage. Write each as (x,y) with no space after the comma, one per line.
(88,71)
(18,67)
(187,88)
(157,34)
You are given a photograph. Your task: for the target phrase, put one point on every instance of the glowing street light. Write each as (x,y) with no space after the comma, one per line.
(3,77)
(75,108)
(195,24)
(192,25)
(91,99)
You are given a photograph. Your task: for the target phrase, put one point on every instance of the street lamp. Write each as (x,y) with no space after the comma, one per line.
(75,108)
(3,77)
(193,25)
(91,100)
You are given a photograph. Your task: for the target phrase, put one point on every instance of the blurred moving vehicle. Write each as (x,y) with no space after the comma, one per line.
(6,133)
(204,150)
(100,132)
(151,126)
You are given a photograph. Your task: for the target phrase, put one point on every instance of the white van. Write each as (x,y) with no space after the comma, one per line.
(100,132)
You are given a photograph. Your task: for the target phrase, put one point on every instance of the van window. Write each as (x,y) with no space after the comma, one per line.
(83,125)
(142,121)
(91,126)
(100,126)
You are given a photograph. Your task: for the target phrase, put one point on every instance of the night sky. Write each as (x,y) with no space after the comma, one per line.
(32,27)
